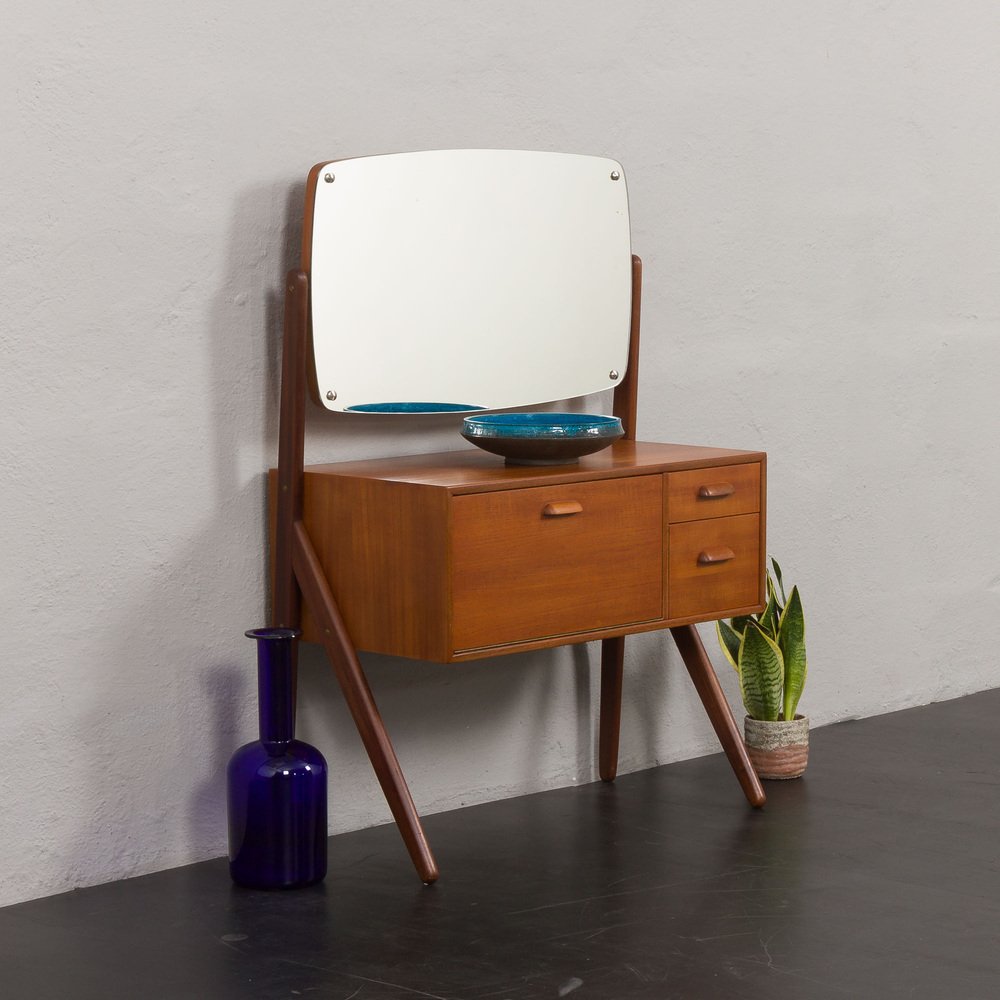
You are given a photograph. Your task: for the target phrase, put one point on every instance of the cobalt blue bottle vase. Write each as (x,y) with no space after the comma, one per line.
(277,784)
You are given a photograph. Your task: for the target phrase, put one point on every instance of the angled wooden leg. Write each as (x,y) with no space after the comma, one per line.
(286,601)
(291,444)
(360,702)
(612,661)
(707,685)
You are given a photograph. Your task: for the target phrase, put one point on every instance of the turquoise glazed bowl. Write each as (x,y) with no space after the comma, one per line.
(542,438)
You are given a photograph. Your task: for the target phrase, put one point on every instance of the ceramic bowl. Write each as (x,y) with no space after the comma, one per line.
(542,438)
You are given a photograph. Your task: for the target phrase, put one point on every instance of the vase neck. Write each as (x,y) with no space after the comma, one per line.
(275,673)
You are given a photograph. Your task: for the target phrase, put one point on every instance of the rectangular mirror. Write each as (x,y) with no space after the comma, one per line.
(467,279)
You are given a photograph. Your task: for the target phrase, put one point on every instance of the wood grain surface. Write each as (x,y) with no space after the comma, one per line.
(455,557)
(384,549)
(700,586)
(519,574)
(470,470)
(713,492)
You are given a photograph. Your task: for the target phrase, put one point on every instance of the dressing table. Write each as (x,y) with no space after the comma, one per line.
(454,557)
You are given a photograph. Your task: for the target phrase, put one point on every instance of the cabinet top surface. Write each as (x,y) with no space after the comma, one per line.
(470,470)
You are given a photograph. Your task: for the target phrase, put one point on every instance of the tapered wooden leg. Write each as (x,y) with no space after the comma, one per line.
(612,661)
(360,702)
(285,598)
(286,601)
(707,685)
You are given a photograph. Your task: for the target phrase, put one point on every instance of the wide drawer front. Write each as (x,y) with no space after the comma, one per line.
(720,491)
(714,566)
(534,563)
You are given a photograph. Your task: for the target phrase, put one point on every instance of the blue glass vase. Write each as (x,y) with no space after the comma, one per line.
(277,784)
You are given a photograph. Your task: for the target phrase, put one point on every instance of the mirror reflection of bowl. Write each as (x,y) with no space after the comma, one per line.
(542,438)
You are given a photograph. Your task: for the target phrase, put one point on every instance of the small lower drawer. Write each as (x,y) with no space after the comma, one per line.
(715,566)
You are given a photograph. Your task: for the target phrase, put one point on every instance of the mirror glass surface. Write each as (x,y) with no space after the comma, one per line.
(468,279)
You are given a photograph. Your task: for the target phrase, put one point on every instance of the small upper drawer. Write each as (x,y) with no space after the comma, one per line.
(717,492)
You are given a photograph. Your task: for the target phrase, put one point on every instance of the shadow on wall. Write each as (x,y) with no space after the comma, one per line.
(176,693)
(158,734)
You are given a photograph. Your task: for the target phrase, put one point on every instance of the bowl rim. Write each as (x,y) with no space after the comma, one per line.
(541,424)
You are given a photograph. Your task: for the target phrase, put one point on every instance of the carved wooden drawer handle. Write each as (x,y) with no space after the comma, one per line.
(715,491)
(719,555)
(562,508)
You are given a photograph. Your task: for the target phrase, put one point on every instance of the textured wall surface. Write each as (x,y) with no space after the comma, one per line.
(814,192)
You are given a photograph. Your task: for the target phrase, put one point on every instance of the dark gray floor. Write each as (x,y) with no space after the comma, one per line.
(874,876)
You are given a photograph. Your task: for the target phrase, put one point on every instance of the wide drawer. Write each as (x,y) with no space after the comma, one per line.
(534,563)
(714,566)
(720,491)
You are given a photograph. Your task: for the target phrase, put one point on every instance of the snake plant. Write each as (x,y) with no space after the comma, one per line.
(768,652)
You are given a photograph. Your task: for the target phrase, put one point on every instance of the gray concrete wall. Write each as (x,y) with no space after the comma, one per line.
(814,194)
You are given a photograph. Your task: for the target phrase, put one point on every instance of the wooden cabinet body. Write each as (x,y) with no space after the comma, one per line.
(456,556)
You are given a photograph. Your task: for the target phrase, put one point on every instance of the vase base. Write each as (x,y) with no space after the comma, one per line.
(272,887)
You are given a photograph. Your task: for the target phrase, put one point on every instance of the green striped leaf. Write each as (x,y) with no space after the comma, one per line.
(768,618)
(777,575)
(761,673)
(792,641)
(729,640)
(739,624)
(779,605)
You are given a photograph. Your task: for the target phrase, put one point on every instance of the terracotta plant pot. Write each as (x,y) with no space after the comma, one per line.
(778,749)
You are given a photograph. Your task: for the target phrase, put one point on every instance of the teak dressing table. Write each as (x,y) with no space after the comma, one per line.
(454,557)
